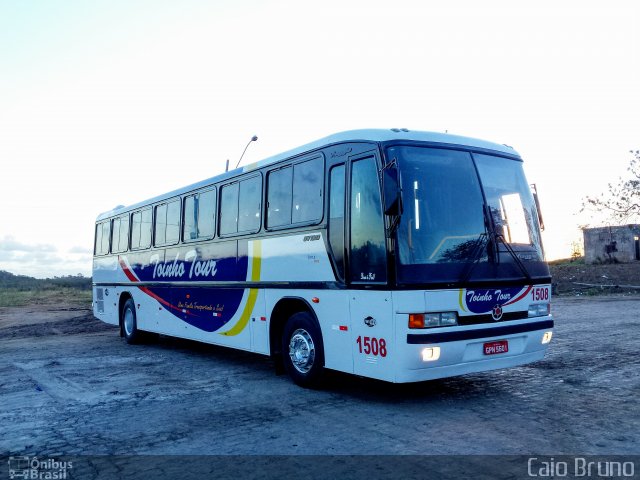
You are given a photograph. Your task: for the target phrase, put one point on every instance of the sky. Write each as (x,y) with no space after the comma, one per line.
(108,103)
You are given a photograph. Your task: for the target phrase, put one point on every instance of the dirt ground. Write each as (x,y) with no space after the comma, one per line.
(69,385)
(576,278)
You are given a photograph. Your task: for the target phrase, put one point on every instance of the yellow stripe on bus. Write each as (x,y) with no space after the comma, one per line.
(460,298)
(253,292)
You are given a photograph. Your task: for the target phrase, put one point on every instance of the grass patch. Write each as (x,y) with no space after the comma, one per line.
(14,297)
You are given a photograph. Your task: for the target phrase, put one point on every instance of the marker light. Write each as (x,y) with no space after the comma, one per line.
(430,354)
(539,309)
(546,338)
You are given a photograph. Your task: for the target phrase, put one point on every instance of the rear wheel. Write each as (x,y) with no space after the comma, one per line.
(129,324)
(303,350)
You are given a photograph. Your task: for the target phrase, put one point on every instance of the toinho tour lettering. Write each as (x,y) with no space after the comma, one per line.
(177,268)
(487,296)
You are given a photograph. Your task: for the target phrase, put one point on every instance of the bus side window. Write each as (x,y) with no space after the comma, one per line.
(249,205)
(229,209)
(336,217)
(367,262)
(279,191)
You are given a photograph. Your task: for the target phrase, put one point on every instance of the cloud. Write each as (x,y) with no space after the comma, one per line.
(42,260)
(82,250)
(10,244)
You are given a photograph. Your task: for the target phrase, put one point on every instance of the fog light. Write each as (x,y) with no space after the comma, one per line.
(430,354)
(546,338)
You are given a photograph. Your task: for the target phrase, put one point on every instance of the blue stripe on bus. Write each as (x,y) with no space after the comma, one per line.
(455,336)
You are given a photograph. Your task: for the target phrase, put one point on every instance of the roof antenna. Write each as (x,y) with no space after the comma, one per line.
(253,139)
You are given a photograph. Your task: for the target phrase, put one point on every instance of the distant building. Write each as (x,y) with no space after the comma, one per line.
(617,243)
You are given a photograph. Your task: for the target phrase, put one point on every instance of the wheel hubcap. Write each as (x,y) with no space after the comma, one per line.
(302,351)
(128,321)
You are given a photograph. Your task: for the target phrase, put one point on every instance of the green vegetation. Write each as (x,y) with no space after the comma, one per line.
(19,290)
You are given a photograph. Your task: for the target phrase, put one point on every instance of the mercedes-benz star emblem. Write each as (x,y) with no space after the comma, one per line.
(496,313)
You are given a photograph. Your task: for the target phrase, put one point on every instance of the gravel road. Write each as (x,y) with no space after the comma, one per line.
(69,385)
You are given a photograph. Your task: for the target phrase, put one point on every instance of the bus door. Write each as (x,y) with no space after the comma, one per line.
(369,301)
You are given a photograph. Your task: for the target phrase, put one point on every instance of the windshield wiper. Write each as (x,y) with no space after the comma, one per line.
(514,255)
(481,243)
(491,240)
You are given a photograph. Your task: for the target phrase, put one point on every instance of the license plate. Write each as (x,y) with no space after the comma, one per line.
(493,348)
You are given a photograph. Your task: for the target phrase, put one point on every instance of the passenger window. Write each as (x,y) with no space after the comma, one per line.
(141,229)
(145,229)
(167,223)
(173,222)
(105,237)
(229,209)
(249,209)
(115,235)
(307,191)
(123,244)
(279,197)
(161,224)
(199,211)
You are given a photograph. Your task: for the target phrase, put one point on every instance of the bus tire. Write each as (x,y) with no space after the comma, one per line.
(303,350)
(129,323)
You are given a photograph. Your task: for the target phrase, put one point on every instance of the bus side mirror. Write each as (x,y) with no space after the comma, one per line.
(391,190)
(534,190)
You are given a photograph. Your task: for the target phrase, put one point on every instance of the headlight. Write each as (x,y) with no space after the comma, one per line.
(432,319)
(546,338)
(539,309)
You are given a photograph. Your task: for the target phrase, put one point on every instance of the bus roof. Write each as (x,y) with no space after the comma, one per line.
(365,135)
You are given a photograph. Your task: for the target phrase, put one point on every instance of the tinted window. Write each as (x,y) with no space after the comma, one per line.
(141,229)
(120,234)
(307,191)
(123,244)
(336,217)
(173,222)
(199,211)
(279,197)
(145,229)
(115,235)
(105,237)
(229,209)
(167,223)
(100,240)
(161,224)
(206,209)
(368,253)
(136,220)
(189,228)
(249,210)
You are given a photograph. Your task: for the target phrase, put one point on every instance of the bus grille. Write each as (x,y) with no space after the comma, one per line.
(100,300)
(478,319)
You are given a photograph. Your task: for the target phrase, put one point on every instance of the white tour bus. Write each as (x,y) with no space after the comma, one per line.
(397,255)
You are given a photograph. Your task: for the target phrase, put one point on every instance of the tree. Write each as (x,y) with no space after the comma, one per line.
(622,200)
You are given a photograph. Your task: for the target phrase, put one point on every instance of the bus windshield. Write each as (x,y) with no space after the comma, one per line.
(444,228)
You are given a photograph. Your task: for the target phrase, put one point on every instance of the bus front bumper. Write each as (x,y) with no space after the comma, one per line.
(452,352)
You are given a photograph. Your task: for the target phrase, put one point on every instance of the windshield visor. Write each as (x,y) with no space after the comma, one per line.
(443,235)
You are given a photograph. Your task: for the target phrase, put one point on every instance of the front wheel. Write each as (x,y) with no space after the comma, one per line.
(303,350)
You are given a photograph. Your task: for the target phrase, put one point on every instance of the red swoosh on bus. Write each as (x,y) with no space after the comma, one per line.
(132,277)
(517,299)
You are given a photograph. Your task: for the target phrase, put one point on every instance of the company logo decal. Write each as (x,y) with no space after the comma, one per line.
(206,308)
(491,300)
